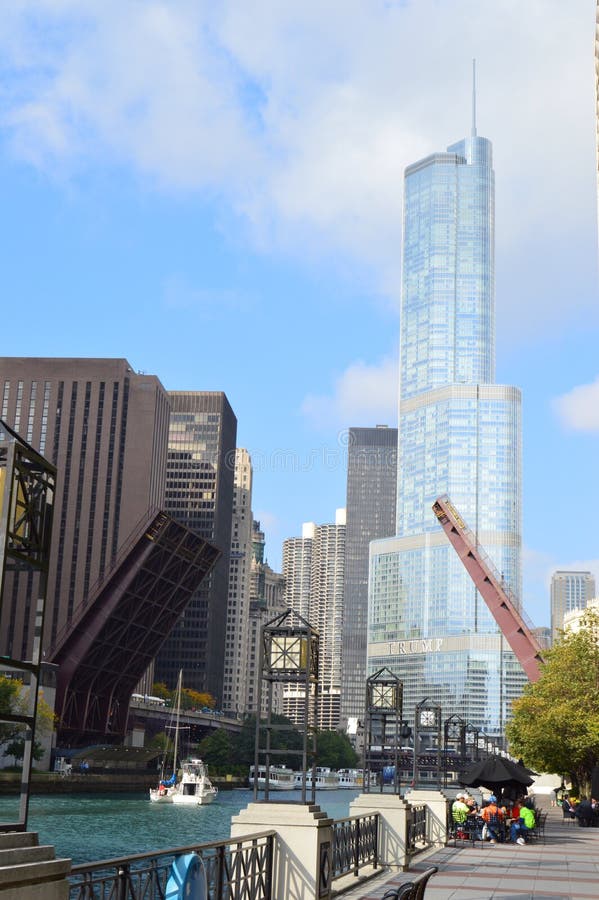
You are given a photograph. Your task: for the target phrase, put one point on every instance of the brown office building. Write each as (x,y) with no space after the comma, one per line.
(199,494)
(105,428)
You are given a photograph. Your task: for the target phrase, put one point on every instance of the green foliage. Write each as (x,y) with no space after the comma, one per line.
(160,741)
(16,749)
(159,689)
(14,700)
(217,752)
(335,750)
(234,753)
(555,726)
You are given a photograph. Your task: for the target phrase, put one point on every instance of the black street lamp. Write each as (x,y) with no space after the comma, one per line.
(427,721)
(288,655)
(454,741)
(27,484)
(383,727)
(471,741)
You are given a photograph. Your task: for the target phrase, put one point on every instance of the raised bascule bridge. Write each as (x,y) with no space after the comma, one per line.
(115,635)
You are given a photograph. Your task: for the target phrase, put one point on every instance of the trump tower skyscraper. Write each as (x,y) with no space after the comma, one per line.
(459,433)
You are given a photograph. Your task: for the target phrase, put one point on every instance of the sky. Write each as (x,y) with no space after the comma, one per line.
(214,191)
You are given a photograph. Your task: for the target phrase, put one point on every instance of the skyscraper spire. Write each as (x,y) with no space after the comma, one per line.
(473,98)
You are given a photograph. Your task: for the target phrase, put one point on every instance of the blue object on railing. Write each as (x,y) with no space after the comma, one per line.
(187,880)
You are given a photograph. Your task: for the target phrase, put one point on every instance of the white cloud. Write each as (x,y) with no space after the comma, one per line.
(363,395)
(301,117)
(578,409)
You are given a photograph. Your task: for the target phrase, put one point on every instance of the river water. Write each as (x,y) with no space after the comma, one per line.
(94,827)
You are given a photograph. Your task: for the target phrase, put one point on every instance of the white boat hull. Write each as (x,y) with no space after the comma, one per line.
(157,796)
(199,799)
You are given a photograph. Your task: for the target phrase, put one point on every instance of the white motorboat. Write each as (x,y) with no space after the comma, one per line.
(280,778)
(194,788)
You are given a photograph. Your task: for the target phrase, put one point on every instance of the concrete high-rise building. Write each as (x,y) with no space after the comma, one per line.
(370,505)
(105,428)
(238,607)
(267,591)
(459,434)
(199,494)
(313,568)
(569,591)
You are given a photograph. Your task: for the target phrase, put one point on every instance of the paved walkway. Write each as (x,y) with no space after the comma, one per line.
(566,866)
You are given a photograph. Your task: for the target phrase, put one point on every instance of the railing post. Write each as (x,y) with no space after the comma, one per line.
(269,862)
(121,887)
(220,873)
(357,848)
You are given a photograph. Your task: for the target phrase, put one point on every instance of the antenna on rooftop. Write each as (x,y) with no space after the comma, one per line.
(473,98)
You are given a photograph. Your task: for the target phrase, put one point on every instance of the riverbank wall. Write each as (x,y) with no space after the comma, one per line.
(54,783)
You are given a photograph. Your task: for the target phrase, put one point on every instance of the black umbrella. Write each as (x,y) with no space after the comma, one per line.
(526,769)
(498,774)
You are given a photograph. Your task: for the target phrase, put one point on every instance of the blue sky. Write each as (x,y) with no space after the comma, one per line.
(214,192)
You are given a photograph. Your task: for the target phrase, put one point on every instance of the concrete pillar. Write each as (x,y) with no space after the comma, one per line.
(437,804)
(304,838)
(393,834)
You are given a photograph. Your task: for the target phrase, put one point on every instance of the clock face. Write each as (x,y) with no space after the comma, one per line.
(427,717)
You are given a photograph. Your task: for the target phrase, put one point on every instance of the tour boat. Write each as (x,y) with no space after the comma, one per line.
(195,788)
(351,779)
(326,780)
(280,778)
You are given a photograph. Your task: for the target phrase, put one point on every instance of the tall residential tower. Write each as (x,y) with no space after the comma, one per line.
(313,568)
(459,434)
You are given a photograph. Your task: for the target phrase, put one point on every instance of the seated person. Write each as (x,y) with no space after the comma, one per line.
(494,819)
(584,813)
(459,809)
(568,808)
(524,824)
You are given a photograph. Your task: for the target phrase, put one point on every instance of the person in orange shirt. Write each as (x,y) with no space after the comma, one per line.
(494,819)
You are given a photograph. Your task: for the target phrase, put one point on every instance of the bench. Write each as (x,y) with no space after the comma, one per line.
(411,890)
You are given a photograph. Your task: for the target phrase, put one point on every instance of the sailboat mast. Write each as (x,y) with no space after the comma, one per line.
(178,712)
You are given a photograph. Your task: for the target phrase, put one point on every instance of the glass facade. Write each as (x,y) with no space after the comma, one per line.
(459,434)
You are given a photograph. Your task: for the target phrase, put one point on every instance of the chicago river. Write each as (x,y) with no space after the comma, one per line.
(94,827)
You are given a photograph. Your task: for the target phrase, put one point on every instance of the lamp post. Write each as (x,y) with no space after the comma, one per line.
(471,741)
(288,654)
(427,720)
(454,737)
(27,484)
(383,724)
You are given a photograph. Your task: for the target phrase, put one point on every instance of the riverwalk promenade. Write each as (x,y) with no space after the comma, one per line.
(565,866)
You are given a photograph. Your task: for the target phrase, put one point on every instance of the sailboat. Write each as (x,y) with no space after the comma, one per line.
(168,787)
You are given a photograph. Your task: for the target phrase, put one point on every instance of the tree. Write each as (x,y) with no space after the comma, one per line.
(14,699)
(191,699)
(16,749)
(335,750)
(555,726)
(216,751)
(285,740)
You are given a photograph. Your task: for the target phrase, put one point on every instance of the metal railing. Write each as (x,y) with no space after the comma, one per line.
(418,830)
(355,844)
(236,869)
